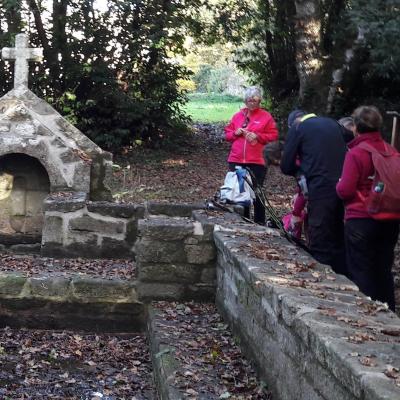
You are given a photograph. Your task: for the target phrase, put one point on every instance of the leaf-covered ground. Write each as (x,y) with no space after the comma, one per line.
(30,265)
(212,365)
(64,365)
(190,172)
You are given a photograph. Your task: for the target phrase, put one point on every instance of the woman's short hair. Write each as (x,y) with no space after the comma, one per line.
(367,119)
(252,91)
(347,122)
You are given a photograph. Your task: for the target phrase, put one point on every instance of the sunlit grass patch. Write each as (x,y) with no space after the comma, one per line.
(212,107)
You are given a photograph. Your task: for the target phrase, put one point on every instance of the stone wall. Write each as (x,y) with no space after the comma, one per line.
(396,273)
(175,259)
(59,301)
(312,334)
(74,227)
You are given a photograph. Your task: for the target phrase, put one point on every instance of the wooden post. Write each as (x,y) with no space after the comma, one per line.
(395,142)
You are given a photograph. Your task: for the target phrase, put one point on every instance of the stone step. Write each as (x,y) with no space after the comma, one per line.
(195,356)
(70,301)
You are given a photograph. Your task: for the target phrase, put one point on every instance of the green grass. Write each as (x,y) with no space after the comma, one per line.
(212,107)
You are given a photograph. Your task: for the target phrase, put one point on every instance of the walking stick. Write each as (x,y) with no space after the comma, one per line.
(395,142)
(272,215)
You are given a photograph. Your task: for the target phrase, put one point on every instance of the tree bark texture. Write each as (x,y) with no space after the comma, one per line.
(280,47)
(338,74)
(308,49)
(13,18)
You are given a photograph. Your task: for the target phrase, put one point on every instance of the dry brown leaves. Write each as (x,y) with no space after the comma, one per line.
(212,364)
(361,337)
(372,308)
(393,373)
(368,361)
(32,265)
(65,365)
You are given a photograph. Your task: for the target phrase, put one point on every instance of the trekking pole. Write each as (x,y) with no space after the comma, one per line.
(273,215)
(395,138)
(213,203)
(265,202)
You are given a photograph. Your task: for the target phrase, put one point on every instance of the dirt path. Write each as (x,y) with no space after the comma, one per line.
(191,173)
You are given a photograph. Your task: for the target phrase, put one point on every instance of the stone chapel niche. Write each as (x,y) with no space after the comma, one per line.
(24,184)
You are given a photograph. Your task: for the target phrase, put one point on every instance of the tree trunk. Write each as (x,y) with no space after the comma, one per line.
(278,18)
(49,53)
(59,42)
(33,6)
(338,74)
(13,17)
(308,51)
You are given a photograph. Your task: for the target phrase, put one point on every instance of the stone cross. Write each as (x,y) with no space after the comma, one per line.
(21,54)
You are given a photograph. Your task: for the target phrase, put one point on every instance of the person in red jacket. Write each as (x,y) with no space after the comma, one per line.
(369,243)
(249,131)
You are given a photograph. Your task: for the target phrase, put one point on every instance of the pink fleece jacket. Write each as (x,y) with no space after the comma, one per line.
(355,182)
(262,124)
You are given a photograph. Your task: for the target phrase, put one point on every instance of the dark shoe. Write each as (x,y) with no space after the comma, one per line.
(239,210)
(271,224)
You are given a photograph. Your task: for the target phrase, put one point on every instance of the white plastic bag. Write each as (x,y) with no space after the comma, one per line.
(231,191)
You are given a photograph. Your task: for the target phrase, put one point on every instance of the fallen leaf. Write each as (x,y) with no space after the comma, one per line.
(392,372)
(367,361)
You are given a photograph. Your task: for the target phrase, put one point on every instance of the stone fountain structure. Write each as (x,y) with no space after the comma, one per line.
(42,156)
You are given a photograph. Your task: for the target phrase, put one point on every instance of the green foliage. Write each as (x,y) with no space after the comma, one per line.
(264,34)
(380,21)
(110,72)
(115,73)
(373,77)
(211,79)
(201,78)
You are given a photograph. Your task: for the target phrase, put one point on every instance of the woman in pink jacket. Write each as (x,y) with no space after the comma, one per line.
(249,131)
(369,242)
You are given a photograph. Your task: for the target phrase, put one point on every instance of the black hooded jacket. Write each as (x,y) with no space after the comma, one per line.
(318,143)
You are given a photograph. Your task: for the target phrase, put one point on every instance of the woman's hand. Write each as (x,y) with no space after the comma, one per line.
(238,132)
(251,137)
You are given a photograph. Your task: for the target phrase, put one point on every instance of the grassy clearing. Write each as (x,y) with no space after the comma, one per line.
(212,107)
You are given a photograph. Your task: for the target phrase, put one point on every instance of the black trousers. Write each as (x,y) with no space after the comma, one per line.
(370,254)
(259,172)
(325,232)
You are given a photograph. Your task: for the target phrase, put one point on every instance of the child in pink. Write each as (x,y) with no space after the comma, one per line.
(293,222)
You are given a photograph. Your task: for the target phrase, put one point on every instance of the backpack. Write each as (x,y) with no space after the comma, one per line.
(236,188)
(383,201)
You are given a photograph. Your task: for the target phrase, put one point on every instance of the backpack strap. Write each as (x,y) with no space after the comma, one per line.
(389,150)
(367,147)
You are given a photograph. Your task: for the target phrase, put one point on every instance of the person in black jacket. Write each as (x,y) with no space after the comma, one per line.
(315,148)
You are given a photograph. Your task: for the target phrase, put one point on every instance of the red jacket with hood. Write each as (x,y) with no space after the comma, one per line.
(355,183)
(262,124)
